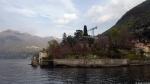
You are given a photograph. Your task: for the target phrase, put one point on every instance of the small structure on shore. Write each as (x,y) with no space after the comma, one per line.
(34,61)
(40,59)
(144,47)
(42,55)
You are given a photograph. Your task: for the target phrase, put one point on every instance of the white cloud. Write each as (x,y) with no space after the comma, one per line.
(48,8)
(98,14)
(105,18)
(22,11)
(69,5)
(67,18)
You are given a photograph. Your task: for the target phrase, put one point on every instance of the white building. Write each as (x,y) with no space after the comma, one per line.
(144,47)
(42,54)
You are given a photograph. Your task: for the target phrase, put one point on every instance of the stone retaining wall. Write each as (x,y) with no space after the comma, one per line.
(91,62)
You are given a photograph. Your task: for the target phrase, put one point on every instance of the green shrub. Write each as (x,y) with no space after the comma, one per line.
(132,56)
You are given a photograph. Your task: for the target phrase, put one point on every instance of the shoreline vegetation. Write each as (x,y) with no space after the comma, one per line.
(84,50)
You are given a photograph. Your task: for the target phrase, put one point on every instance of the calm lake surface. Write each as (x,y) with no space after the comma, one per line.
(20,72)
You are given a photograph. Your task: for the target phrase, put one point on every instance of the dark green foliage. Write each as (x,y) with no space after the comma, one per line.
(71,40)
(64,38)
(78,34)
(85,31)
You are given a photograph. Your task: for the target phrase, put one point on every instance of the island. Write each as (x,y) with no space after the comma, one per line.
(84,50)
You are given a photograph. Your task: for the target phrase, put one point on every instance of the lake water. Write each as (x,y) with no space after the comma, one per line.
(20,72)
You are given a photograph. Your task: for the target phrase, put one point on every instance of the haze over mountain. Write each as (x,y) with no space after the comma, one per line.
(15,42)
(136,21)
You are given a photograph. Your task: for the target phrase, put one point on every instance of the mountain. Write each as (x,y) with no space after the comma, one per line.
(136,22)
(16,43)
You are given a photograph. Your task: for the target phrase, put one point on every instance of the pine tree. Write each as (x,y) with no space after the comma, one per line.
(64,38)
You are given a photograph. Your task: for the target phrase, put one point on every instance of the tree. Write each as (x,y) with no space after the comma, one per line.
(71,40)
(66,50)
(54,49)
(85,31)
(64,38)
(78,34)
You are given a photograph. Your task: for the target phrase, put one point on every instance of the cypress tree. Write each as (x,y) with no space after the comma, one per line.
(64,38)
(85,31)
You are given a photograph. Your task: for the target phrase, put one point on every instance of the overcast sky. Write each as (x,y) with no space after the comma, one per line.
(54,17)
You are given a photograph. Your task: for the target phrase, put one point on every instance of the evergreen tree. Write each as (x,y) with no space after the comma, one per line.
(78,34)
(71,40)
(85,31)
(64,38)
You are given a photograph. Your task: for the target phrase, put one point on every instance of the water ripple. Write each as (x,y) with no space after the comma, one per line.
(19,72)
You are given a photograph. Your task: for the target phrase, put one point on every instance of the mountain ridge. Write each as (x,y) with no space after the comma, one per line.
(14,42)
(136,22)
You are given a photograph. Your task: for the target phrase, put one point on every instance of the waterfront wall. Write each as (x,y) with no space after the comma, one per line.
(90,62)
(139,62)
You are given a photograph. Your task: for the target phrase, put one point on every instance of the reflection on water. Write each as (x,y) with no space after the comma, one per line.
(19,72)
